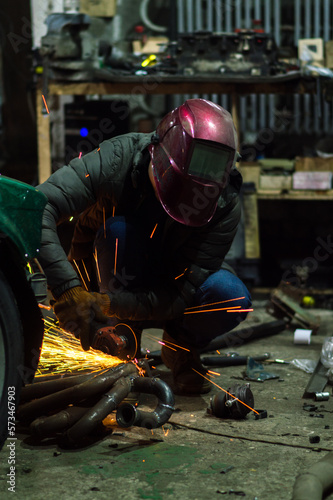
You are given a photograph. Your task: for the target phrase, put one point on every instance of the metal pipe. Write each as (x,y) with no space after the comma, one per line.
(101,410)
(44,427)
(318,478)
(128,415)
(96,385)
(41,389)
(262,111)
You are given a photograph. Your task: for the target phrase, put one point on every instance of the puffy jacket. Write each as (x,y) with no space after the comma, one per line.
(114,179)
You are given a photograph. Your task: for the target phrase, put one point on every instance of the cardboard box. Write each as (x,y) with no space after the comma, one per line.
(98,8)
(315,164)
(153,45)
(312,180)
(278,182)
(311,50)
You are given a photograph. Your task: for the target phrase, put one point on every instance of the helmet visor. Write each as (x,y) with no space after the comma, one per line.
(209,161)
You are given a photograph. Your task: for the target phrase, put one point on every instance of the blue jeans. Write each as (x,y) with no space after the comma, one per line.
(128,258)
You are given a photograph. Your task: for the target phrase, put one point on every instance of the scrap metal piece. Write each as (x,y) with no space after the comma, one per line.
(229,404)
(317,382)
(284,303)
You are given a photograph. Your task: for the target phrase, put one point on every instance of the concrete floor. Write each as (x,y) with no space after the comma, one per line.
(195,455)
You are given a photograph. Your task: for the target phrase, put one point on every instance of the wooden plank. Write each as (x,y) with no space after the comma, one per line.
(251,226)
(43,139)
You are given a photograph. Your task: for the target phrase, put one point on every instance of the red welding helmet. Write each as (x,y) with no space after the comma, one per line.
(194,151)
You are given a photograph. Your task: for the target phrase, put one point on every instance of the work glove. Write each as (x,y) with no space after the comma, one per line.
(76,309)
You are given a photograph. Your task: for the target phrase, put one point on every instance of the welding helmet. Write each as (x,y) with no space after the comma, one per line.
(192,153)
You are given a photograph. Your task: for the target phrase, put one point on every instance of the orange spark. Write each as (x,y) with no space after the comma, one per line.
(169,346)
(163,343)
(98,149)
(225,391)
(213,310)
(214,373)
(165,431)
(45,104)
(113,211)
(96,260)
(104,222)
(80,154)
(77,267)
(115,258)
(240,311)
(87,175)
(44,307)
(85,270)
(218,352)
(181,274)
(214,303)
(153,230)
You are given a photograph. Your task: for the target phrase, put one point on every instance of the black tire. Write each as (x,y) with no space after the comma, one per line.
(11,356)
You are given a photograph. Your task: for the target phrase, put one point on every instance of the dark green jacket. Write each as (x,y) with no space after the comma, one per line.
(114,178)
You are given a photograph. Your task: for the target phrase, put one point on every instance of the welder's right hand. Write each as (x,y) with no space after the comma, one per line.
(76,309)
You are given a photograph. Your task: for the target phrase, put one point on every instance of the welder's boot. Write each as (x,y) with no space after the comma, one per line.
(186,367)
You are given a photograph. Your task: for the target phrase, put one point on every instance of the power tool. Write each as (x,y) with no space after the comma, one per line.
(120,340)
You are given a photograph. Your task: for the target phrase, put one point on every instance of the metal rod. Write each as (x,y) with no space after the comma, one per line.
(210,12)
(307,27)
(317,4)
(218,15)
(277,21)
(248,20)
(257,9)
(228,12)
(262,111)
(253,112)
(297,28)
(189,15)
(238,8)
(198,15)
(180,6)
(268,17)
(327,24)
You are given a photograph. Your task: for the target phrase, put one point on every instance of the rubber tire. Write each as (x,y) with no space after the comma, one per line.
(11,352)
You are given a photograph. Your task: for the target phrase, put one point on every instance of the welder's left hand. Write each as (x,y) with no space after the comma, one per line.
(76,309)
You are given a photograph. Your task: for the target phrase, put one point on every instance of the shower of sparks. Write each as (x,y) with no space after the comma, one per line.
(115,258)
(62,353)
(85,269)
(97,266)
(77,267)
(152,234)
(240,311)
(104,222)
(176,278)
(45,104)
(213,310)
(80,155)
(225,391)
(214,303)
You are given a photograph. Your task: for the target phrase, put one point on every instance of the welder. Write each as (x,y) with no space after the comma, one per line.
(156,213)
